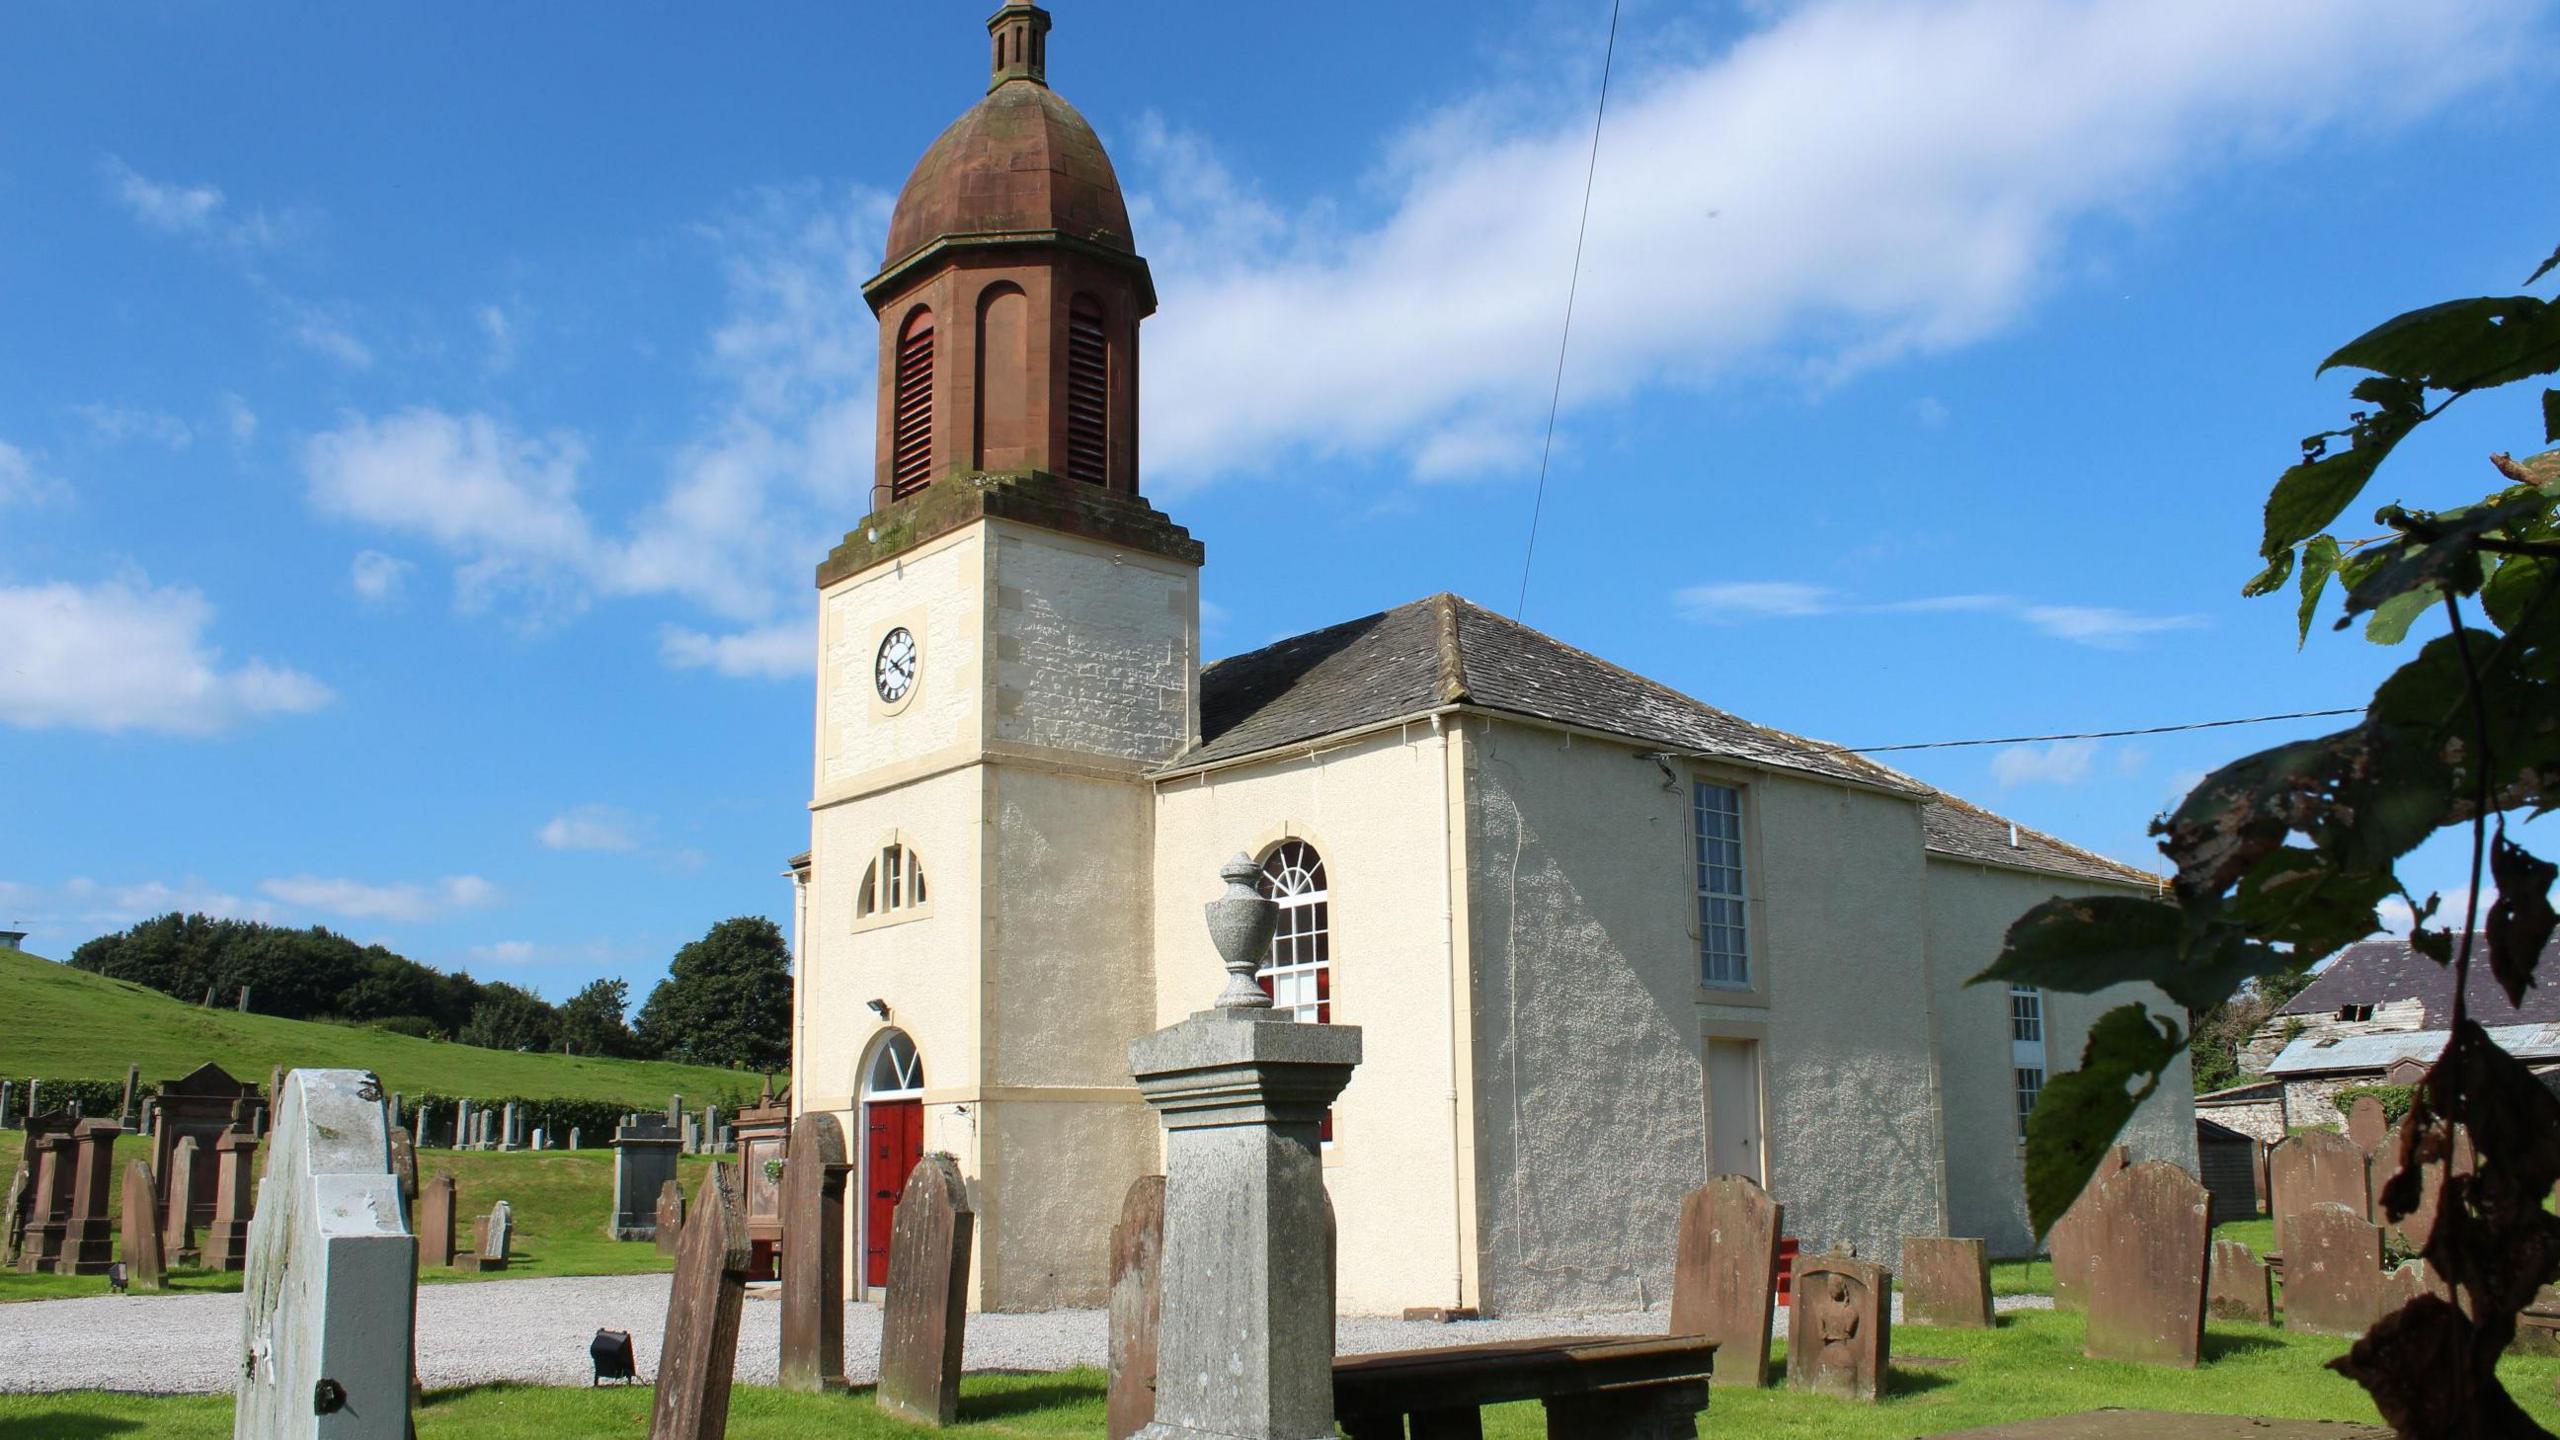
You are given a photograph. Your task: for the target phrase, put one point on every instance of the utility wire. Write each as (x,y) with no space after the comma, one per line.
(2092,734)
(1573,286)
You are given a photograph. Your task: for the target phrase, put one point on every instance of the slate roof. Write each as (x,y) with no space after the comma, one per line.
(1443,651)
(2325,1055)
(2378,972)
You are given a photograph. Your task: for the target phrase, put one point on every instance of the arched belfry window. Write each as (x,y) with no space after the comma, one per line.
(1088,392)
(894,882)
(911,448)
(1298,973)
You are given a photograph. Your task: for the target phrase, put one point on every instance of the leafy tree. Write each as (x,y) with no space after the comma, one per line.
(510,1018)
(2216,1035)
(726,999)
(2283,856)
(591,1023)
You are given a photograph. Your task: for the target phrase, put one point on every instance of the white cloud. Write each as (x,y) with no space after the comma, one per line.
(1733,602)
(358,900)
(506,952)
(126,655)
(2103,627)
(500,333)
(1854,182)
(197,211)
(1930,411)
(325,333)
(379,579)
(117,424)
(505,503)
(770,652)
(21,483)
(592,827)
(2062,762)
(89,902)
(239,419)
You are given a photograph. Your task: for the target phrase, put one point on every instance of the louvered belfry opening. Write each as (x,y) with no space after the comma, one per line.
(911,463)
(1088,393)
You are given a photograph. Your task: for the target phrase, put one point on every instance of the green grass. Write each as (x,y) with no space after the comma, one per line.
(2029,1368)
(71,1025)
(561,1200)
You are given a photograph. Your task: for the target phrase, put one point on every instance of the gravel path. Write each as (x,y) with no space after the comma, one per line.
(536,1332)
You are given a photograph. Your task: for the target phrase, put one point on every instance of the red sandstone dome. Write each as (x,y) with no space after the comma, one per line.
(1019,162)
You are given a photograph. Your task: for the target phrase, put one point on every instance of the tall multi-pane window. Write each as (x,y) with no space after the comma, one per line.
(2026,1049)
(1724,948)
(2030,1085)
(1298,974)
(2026,1014)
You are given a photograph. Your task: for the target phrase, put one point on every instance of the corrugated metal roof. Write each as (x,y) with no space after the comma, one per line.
(2315,1055)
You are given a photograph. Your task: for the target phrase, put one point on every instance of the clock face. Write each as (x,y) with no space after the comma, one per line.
(895,672)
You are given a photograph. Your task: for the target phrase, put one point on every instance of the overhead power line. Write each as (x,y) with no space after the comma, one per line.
(2093,734)
(1572,288)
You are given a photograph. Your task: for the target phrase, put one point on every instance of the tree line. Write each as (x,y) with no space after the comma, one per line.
(726,999)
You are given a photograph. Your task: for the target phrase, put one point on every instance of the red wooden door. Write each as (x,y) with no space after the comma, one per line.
(894,1143)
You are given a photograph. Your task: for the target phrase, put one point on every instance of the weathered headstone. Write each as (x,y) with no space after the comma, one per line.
(670,1217)
(700,1352)
(2407,1281)
(492,1241)
(1137,1308)
(425,1129)
(325,1330)
(764,1137)
(463,1115)
(2240,1287)
(1840,1326)
(1724,1279)
(2153,1233)
(813,1181)
(48,1196)
(127,1115)
(2072,1243)
(644,1164)
(178,1232)
(2367,1125)
(13,1218)
(88,1235)
(1946,1281)
(8,1093)
(925,1317)
(1246,1337)
(511,1137)
(143,1267)
(2316,1167)
(2418,1226)
(435,1222)
(2332,1271)
(575,1136)
(235,1199)
(541,1138)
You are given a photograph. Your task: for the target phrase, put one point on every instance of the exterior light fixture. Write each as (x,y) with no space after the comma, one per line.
(611,1350)
(878,1007)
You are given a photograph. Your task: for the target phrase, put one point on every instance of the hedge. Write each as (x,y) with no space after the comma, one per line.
(557,1116)
(2396,1099)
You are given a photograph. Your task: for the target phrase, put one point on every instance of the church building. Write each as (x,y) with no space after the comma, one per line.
(1603,940)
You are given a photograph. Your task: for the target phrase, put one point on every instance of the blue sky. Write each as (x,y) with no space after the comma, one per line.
(418,424)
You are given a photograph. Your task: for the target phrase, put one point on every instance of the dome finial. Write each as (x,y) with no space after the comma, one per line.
(1021,31)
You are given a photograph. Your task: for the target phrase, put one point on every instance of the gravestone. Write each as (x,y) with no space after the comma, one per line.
(127,1116)
(2418,1226)
(235,1200)
(178,1226)
(325,1329)
(88,1234)
(2240,1288)
(512,1138)
(1245,1345)
(670,1217)
(463,1115)
(1724,1281)
(404,1163)
(492,1241)
(2367,1126)
(425,1129)
(2332,1271)
(2409,1280)
(8,1093)
(700,1352)
(143,1268)
(1840,1326)
(1946,1281)
(644,1164)
(435,1222)
(541,1138)
(49,1161)
(197,1106)
(575,1135)
(2316,1167)
(1137,1307)
(2152,1235)
(812,1246)
(13,1218)
(2072,1244)
(924,1318)
(764,1135)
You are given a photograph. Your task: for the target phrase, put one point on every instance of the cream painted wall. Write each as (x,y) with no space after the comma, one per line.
(1376,809)
(937,591)
(1971,907)
(1591,1086)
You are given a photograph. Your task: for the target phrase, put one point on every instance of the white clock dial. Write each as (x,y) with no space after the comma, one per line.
(895,672)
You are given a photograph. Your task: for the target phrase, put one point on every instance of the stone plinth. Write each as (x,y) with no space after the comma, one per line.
(1724,1282)
(235,1199)
(1946,1281)
(644,1162)
(88,1236)
(813,1183)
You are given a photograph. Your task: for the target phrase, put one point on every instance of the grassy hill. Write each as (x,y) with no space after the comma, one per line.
(71,1025)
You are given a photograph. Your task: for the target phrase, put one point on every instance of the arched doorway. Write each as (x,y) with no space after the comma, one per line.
(892,1142)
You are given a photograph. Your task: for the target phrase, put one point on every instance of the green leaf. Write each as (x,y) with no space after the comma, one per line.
(2551,417)
(2310,901)
(2433,556)
(2393,617)
(2319,562)
(2460,344)
(2310,496)
(2508,592)
(2085,943)
(2266,581)
(2079,1114)
(2539,271)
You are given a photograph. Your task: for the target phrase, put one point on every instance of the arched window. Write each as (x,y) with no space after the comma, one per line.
(1298,974)
(896,1069)
(911,447)
(1088,392)
(894,882)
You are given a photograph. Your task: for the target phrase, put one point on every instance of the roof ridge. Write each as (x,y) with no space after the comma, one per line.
(1960,803)
(1452,688)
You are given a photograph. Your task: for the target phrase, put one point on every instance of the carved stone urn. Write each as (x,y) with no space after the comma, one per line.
(1240,925)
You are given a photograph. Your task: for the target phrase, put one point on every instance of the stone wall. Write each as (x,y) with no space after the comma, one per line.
(1095,650)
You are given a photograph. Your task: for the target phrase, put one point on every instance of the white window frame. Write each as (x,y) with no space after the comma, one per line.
(892,888)
(1723,890)
(1312,896)
(2028,1025)
(2026,1087)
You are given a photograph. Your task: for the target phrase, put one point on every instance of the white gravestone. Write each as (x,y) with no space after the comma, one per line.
(325,1323)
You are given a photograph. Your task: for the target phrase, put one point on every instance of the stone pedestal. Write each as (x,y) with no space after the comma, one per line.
(88,1237)
(48,1200)
(235,1200)
(644,1161)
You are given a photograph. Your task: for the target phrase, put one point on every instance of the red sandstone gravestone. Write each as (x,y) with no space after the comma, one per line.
(235,1200)
(2416,1227)
(143,1269)
(1946,1281)
(178,1228)
(923,1321)
(2240,1287)
(2367,1126)
(1724,1280)
(2147,1278)
(811,1204)
(88,1238)
(2332,1272)
(48,1150)
(2071,1243)
(670,1216)
(2316,1167)
(1137,1307)
(435,1222)
(1840,1327)
(700,1353)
